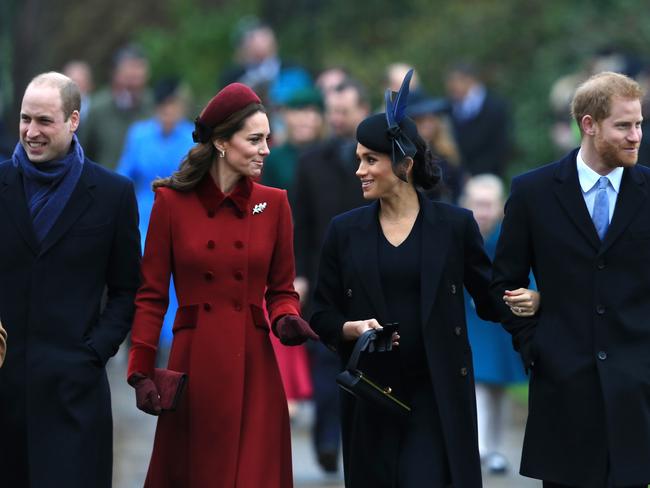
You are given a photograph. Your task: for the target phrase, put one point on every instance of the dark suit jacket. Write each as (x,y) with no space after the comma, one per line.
(55,411)
(484,140)
(348,288)
(590,342)
(325,186)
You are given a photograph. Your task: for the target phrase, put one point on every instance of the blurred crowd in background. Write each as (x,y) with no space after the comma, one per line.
(142,128)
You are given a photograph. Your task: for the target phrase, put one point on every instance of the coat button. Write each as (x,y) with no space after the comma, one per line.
(211,214)
(239,244)
(464,371)
(453,289)
(210,244)
(600,309)
(207,307)
(458,331)
(208,275)
(348,293)
(237,305)
(238,275)
(602,355)
(601,265)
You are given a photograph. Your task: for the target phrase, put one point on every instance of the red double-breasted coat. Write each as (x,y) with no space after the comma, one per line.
(227,254)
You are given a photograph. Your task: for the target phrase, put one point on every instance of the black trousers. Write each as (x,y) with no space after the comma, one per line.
(325,365)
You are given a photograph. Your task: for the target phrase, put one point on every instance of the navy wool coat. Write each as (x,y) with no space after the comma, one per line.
(55,411)
(349,288)
(589,344)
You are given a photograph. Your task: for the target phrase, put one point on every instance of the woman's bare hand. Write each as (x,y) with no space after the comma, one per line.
(352,330)
(523,302)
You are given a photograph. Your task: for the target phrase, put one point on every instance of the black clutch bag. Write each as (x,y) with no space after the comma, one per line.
(366,389)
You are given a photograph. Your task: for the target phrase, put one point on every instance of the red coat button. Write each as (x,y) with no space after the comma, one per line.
(238,275)
(239,244)
(211,213)
(237,306)
(210,244)
(207,307)
(208,275)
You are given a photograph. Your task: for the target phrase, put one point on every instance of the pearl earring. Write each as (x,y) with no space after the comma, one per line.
(222,153)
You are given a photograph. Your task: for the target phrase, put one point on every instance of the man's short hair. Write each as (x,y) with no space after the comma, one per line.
(128,53)
(70,95)
(594,96)
(352,84)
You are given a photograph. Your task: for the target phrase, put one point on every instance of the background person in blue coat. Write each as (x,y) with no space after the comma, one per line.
(154,149)
(69,234)
(496,364)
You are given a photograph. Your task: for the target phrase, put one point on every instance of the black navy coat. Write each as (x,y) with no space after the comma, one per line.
(484,140)
(55,410)
(325,186)
(590,342)
(349,288)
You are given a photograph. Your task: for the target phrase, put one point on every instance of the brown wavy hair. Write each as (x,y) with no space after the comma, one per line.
(202,156)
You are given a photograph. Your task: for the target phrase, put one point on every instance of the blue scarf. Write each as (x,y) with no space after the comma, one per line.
(48,185)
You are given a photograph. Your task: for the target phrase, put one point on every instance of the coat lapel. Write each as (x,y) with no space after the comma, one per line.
(365,257)
(79,201)
(435,242)
(567,190)
(632,194)
(12,196)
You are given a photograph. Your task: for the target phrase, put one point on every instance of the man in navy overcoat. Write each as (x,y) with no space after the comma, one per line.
(69,237)
(583,225)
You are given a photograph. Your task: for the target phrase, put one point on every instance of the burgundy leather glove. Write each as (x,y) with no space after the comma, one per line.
(146,394)
(293,331)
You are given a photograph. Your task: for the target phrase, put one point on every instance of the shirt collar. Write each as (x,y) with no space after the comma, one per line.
(473,101)
(212,197)
(589,178)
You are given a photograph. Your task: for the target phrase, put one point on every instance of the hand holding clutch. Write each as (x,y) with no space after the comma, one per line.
(146,394)
(293,330)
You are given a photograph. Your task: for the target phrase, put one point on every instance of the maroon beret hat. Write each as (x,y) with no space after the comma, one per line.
(229,100)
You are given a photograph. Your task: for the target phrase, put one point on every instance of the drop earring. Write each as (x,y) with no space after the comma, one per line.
(222,153)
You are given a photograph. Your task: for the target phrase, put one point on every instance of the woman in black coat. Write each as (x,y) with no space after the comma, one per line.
(406,259)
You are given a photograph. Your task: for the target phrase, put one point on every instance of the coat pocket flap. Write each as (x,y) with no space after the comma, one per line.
(186,317)
(259,317)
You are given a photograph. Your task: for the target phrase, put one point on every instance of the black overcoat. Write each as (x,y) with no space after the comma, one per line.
(590,343)
(349,288)
(55,410)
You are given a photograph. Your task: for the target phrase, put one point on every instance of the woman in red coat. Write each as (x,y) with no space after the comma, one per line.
(229,244)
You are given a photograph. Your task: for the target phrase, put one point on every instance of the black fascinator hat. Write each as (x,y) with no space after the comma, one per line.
(392,132)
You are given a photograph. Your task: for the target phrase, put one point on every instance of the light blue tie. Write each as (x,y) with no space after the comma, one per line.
(601,208)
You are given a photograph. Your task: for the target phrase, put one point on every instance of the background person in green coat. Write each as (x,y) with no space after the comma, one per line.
(303,116)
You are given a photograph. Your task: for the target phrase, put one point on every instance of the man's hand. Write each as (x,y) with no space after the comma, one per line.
(301,285)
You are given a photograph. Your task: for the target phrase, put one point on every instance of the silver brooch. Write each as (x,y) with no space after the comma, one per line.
(259,208)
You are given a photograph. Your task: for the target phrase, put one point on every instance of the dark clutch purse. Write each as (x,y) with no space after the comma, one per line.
(170,385)
(366,389)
